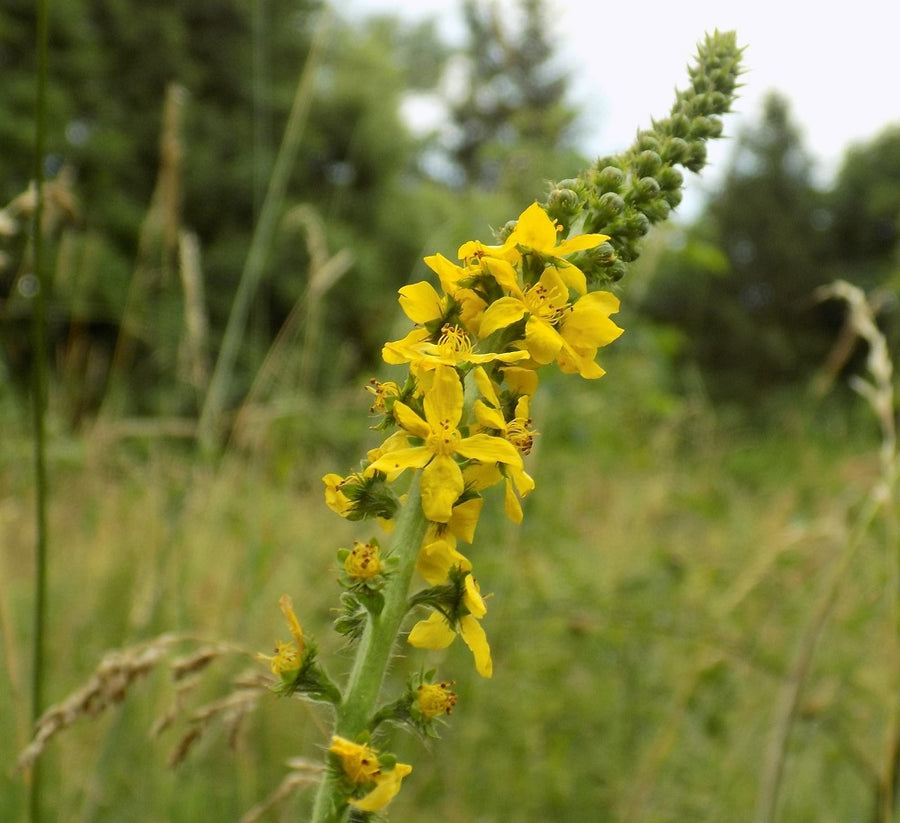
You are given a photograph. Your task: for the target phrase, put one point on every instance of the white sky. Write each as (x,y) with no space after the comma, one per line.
(838,64)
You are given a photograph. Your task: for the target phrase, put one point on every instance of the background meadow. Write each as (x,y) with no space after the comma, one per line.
(697,619)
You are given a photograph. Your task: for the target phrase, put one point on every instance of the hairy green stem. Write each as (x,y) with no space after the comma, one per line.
(373,655)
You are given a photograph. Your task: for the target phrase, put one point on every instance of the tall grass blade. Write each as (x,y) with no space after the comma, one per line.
(259,245)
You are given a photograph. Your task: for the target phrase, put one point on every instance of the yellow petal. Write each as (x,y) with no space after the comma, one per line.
(388,785)
(511,504)
(433,633)
(474,637)
(464,519)
(485,386)
(572,276)
(444,400)
(542,340)
(402,351)
(441,484)
(489,449)
(472,598)
(397,460)
(521,380)
(437,558)
(410,421)
(535,230)
(448,272)
(420,302)
(503,272)
(579,243)
(500,314)
(489,417)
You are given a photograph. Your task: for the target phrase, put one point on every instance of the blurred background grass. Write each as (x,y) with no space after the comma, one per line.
(690,506)
(642,619)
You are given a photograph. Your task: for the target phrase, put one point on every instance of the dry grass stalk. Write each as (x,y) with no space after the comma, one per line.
(303,773)
(878,391)
(158,241)
(230,711)
(107,686)
(193,354)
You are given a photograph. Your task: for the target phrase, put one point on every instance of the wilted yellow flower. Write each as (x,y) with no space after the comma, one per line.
(434,699)
(364,561)
(288,657)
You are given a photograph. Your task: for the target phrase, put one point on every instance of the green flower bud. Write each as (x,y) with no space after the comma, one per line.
(636,225)
(657,209)
(673,197)
(645,189)
(563,203)
(675,150)
(647,163)
(616,271)
(669,178)
(609,179)
(608,206)
(697,159)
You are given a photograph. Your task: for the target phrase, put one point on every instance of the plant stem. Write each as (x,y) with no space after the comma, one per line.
(373,655)
(39,393)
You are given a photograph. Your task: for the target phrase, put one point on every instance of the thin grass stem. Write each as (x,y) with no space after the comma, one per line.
(39,394)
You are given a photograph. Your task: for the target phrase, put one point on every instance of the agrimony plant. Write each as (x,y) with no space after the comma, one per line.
(457,422)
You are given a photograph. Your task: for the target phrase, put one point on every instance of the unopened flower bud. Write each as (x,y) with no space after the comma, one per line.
(609,179)
(645,189)
(669,178)
(609,205)
(697,159)
(563,202)
(647,163)
(675,150)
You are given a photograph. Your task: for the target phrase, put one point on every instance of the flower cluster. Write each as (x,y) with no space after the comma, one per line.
(462,415)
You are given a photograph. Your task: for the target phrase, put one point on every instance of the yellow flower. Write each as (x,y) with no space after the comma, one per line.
(536,233)
(288,657)
(544,304)
(436,632)
(584,329)
(361,764)
(384,394)
(435,699)
(442,481)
